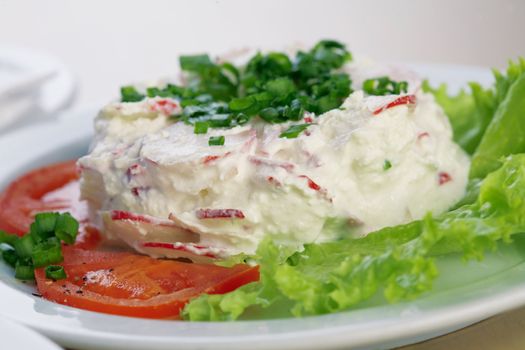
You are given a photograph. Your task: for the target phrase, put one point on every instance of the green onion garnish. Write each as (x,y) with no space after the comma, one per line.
(273,86)
(130,94)
(55,272)
(24,246)
(45,253)
(42,246)
(384,86)
(293,131)
(216,141)
(24,271)
(10,257)
(200,128)
(387,165)
(8,238)
(66,228)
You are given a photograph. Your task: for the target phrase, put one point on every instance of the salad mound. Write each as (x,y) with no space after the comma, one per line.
(303,149)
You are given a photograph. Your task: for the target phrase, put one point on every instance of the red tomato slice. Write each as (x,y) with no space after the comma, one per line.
(51,188)
(133,285)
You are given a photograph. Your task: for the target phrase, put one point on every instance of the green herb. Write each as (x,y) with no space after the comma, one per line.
(293,131)
(384,86)
(24,246)
(216,141)
(387,165)
(200,128)
(66,228)
(24,271)
(272,86)
(55,272)
(130,94)
(7,238)
(48,252)
(42,246)
(10,257)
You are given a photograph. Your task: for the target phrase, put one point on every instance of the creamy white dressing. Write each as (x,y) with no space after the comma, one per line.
(327,183)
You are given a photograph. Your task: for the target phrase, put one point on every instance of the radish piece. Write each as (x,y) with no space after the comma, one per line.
(219,214)
(195,252)
(136,229)
(402,100)
(444,178)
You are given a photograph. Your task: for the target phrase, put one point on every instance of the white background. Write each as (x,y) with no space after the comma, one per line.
(109,43)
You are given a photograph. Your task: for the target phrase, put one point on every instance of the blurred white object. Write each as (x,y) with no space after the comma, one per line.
(33,87)
(16,336)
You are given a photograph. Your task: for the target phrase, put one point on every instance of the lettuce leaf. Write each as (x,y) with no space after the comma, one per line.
(398,261)
(505,134)
(471,113)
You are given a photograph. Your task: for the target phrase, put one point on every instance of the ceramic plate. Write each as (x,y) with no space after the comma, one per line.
(463,294)
(15,336)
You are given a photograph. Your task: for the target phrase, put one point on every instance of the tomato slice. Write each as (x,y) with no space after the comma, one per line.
(51,188)
(133,285)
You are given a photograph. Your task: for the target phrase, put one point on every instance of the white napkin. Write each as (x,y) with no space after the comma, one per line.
(33,88)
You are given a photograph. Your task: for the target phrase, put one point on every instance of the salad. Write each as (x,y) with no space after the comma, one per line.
(306,183)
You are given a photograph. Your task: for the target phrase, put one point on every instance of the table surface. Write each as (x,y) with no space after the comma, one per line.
(505,331)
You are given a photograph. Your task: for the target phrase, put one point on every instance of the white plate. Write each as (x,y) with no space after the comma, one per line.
(464,294)
(15,336)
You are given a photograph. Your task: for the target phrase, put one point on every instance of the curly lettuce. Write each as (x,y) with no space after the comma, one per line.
(488,123)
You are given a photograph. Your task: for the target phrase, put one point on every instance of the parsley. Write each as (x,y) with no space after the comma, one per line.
(384,86)
(387,165)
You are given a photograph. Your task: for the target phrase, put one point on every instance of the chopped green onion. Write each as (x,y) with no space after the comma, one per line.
(43,227)
(273,86)
(195,63)
(55,272)
(200,128)
(387,165)
(24,246)
(130,94)
(384,86)
(8,238)
(49,252)
(66,228)
(216,141)
(269,114)
(10,257)
(293,131)
(241,104)
(24,271)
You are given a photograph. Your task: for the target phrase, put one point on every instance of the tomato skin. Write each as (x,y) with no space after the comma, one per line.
(25,197)
(133,285)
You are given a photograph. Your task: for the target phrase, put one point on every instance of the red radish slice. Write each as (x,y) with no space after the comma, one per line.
(219,214)
(258,161)
(195,252)
(444,177)
(134,229)
(402,100)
